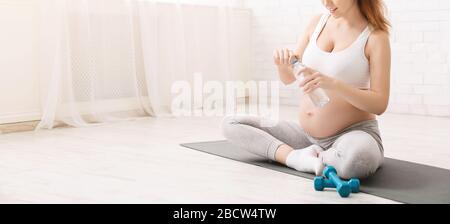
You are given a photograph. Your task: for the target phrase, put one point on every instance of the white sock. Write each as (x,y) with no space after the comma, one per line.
(306,160)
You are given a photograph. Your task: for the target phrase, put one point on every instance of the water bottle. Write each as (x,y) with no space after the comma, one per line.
(319,97)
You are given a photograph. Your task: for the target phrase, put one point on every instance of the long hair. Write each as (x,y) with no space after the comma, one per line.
(375,13)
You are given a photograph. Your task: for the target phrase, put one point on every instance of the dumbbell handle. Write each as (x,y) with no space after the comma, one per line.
(333,177)
(342,187)
(329,184)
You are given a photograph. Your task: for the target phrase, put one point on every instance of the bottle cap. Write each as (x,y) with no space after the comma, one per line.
(294,58)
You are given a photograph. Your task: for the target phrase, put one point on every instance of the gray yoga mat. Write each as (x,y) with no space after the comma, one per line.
(396,180)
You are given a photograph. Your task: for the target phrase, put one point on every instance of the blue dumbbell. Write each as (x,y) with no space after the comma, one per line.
(320,183)
(333,181)
(353,183)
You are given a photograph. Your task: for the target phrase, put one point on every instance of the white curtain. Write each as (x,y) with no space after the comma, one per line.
(106,60)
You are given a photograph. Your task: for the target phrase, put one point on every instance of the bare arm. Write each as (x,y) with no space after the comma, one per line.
(282,57)
(376,99)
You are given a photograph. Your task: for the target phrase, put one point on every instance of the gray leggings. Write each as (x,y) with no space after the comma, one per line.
(355,152)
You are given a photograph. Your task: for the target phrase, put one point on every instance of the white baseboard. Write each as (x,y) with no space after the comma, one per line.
(20,117)
(104,106)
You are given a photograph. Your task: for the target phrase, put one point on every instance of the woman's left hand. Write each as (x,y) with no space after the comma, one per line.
(314,80)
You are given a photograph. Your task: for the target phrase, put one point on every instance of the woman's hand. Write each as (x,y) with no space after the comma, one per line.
(282,58)
(314,80)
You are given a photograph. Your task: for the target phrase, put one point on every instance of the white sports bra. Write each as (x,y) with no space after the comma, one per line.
(349,65)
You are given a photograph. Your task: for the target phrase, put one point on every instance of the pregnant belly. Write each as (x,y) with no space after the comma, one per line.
(325,122)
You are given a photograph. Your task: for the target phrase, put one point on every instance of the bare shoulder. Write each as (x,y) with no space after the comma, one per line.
(315,19)
(313,23)
(378,44)
(306,35)
(378,39)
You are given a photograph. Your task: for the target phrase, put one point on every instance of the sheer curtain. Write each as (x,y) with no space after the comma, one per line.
(106,60)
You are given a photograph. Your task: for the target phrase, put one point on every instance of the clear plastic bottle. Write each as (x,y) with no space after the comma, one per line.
(319,97)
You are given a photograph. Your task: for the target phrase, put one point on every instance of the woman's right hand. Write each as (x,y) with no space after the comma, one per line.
(283,58)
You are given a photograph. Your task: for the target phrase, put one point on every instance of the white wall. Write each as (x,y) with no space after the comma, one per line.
(420,44)
(421,59)
(20,87)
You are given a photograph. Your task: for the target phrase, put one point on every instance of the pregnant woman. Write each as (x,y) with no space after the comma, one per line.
(346,53)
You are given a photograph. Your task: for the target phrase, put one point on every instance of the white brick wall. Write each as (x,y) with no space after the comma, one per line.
(420,46)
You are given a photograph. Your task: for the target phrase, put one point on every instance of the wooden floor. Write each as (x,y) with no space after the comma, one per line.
(141,162)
